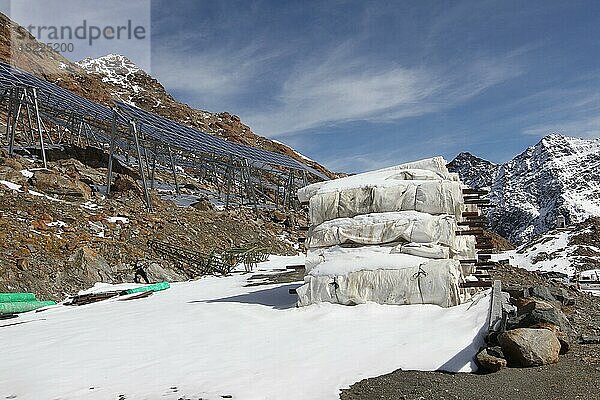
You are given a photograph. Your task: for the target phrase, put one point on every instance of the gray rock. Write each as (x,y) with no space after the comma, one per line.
(50,182)
(491,359)
(88,267)
(562,295)
(552,316)
(541,292)
(156,273)
(530,347)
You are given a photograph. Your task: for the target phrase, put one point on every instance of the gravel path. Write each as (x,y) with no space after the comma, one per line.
(576,376)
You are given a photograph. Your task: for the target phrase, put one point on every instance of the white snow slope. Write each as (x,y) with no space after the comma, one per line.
(214,337)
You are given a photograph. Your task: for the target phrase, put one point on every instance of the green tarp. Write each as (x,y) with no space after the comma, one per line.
(23,306)
(11,297)
(154,288)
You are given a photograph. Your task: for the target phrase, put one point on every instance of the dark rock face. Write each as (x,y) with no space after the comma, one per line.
(474,171)
(557,176)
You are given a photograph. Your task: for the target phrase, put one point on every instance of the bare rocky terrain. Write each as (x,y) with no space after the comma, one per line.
(58,234)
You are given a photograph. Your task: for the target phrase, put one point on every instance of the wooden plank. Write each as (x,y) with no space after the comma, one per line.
(477,218)
(485,263)
(471,214)
(475,191)
(496,307)
(476,284)
(468,261)
(295,266)
(473,224)
(136,296)
(470,232)
(481,202)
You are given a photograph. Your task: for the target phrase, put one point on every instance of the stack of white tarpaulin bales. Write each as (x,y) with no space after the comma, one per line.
(387,236)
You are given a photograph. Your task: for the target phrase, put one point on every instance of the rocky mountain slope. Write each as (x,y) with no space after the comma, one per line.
(557,176)
(116,77)
(59,234)
(474,171)
(561,251)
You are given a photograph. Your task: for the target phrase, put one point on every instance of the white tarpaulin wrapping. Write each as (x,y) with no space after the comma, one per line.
(432,197)
(427,250)
(463,248)
(432,282)
(407,226)
(401,224)
(427,169)
(338,260)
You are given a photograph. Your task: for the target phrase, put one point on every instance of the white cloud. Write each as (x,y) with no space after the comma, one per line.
(345,87)
(572,112)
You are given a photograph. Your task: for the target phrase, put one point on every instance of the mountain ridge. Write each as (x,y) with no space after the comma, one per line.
(556,176)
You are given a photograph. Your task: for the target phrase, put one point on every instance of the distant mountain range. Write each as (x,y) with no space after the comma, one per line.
(559,175)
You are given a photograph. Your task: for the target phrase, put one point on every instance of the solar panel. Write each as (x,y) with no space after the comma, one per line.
(172,132)
(62,98)
(160,129)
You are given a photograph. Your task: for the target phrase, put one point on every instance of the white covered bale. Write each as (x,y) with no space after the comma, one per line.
(463,247)
(432,197)
(430,282)
(428,169)
(406,226)
(427,250)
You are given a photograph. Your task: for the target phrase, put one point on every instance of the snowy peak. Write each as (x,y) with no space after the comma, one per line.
(110,65)
(125,78)
(558,176)
(474,171)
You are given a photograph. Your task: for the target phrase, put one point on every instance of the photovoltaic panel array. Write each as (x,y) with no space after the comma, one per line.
(53,95)
(176,134)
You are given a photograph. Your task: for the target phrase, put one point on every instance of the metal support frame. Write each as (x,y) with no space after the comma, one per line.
(133,130)
(172,164)
(59,116)
(111,151)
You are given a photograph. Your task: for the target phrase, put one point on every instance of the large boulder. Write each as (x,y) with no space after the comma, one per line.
(541,292)
(530,347)
(88,267)
(50,182)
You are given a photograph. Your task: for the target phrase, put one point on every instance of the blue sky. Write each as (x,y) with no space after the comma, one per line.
(359,85)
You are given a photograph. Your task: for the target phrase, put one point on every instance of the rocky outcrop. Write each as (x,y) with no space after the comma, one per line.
(89,266)
(54,184)
(474,171)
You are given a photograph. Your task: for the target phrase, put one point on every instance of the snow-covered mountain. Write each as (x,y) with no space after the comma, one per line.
(558,176)
(563,251)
